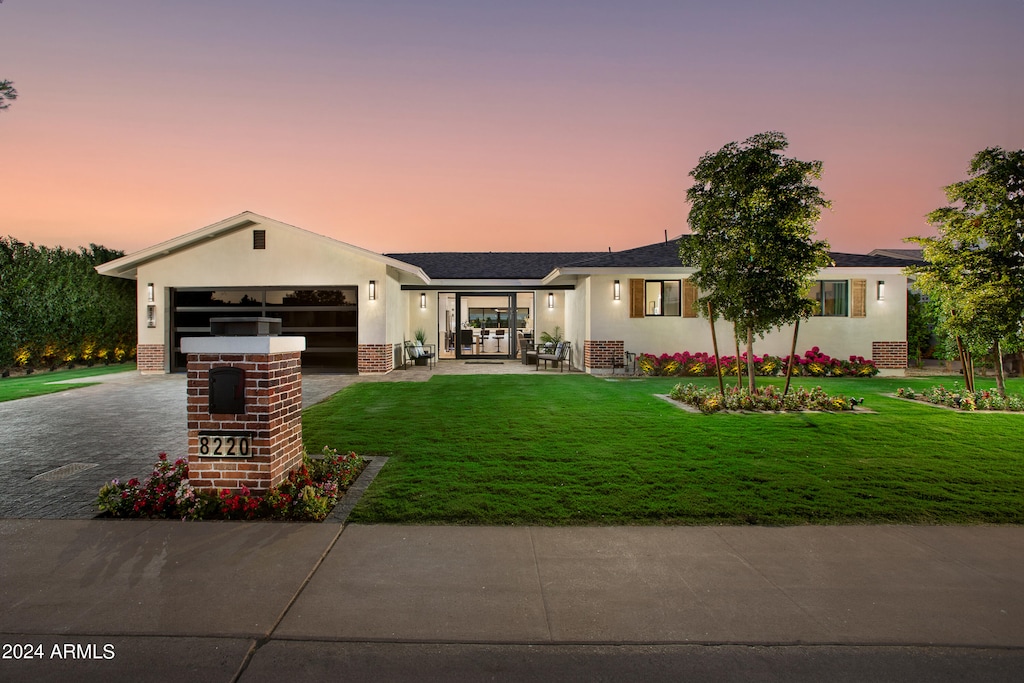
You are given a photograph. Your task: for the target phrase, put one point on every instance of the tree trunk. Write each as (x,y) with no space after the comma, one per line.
(965,363)
(714,345)
(1000,377)
(792,353)
(736,338)
(751,383)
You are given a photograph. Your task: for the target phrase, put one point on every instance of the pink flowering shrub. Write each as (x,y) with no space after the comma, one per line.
(307,494)
(812,363)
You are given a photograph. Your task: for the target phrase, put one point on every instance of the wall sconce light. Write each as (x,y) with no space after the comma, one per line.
(150,316)
(149,293)
(423,299)
(373,290)
(881,290)
(551,299)
(617,293)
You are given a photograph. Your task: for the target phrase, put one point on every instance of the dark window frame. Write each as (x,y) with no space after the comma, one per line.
(818,292)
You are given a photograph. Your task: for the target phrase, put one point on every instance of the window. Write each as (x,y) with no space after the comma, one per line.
(832,297)
(652,298)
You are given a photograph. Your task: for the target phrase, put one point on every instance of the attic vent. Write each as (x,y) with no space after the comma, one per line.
(259,239)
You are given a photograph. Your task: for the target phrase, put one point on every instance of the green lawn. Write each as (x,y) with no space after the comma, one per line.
(42,382)
(560,450)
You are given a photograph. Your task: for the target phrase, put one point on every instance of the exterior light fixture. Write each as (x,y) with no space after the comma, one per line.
(617,291)
(881,290)
(423,299)
(373,290)
(551,299)
(149,293)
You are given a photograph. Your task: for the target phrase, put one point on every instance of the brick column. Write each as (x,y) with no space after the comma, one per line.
(272,417)
(602,355)
(375,359)
(889,355)
(151,358)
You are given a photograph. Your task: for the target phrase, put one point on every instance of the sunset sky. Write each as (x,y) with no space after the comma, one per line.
(478,125)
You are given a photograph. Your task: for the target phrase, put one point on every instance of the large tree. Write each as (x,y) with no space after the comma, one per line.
(752,216)
(7,94)
(974,268)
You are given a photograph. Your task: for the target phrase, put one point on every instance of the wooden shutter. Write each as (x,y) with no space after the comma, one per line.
(858,298)
(689,299)
(636,298)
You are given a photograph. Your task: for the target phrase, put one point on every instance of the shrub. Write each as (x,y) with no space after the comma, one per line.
(307,494)
(962,399)
(709,400)
(812,363)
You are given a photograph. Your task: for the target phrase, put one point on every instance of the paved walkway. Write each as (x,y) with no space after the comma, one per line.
(116,428)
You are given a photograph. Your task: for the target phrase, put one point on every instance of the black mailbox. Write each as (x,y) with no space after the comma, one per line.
(227,390)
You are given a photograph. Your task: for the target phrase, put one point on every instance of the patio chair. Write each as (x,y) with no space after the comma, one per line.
(558,356)
(527,354)
(418,355)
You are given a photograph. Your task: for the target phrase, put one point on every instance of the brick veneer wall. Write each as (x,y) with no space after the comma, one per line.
(375,359)
(273,402)
(150,358)
(603,355)
(889,354)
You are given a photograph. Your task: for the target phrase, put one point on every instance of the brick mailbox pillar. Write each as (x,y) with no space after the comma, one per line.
(244,405)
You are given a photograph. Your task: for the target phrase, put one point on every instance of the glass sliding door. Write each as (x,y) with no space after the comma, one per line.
(486,323)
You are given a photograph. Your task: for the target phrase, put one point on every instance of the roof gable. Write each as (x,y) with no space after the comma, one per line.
(127,266)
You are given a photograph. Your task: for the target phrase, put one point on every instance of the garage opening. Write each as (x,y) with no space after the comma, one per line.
(328,317)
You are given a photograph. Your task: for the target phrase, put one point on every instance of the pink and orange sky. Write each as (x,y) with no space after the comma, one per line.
(478,125)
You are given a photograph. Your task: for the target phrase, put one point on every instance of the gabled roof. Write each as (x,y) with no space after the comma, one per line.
(907,254)
(658,255)
(127,266)
(491,265)
(868,261)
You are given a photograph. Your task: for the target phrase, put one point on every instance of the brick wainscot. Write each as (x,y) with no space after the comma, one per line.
(272,417)
(603,356)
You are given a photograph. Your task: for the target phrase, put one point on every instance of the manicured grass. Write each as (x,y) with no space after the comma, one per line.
(42,382)
(550,450)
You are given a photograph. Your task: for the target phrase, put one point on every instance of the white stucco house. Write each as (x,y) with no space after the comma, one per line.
(356,307)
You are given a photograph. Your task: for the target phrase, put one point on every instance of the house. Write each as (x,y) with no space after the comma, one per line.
(356,307)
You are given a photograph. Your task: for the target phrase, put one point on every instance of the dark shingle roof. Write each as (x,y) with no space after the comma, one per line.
(908,254)
(867,261)
(510,265)
(659,255)
(502,265)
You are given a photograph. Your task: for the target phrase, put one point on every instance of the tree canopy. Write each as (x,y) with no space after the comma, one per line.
(974,268)
(752,217)
(7,94)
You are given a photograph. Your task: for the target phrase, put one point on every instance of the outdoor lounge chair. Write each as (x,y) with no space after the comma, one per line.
(559,355)
(418,355)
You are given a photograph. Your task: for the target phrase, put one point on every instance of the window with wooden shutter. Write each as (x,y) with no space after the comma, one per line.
(636,298)
(689,299)
(858,298)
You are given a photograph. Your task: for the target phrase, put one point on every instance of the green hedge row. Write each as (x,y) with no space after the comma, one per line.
(56,309)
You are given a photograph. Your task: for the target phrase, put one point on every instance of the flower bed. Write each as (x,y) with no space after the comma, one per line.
(963,400)
(769,399)
(308,494)
(812,363)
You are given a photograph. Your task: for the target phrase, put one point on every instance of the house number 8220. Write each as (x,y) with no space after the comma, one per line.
(224,445)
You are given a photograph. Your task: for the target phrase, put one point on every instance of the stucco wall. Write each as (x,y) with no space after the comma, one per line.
(836,336)
(290,259)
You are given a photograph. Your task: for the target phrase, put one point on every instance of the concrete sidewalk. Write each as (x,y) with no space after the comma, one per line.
(187,601)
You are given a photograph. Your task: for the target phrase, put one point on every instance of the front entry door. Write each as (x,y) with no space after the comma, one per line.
(486,325)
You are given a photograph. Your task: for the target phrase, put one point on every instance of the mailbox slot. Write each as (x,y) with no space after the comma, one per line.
(227,391)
